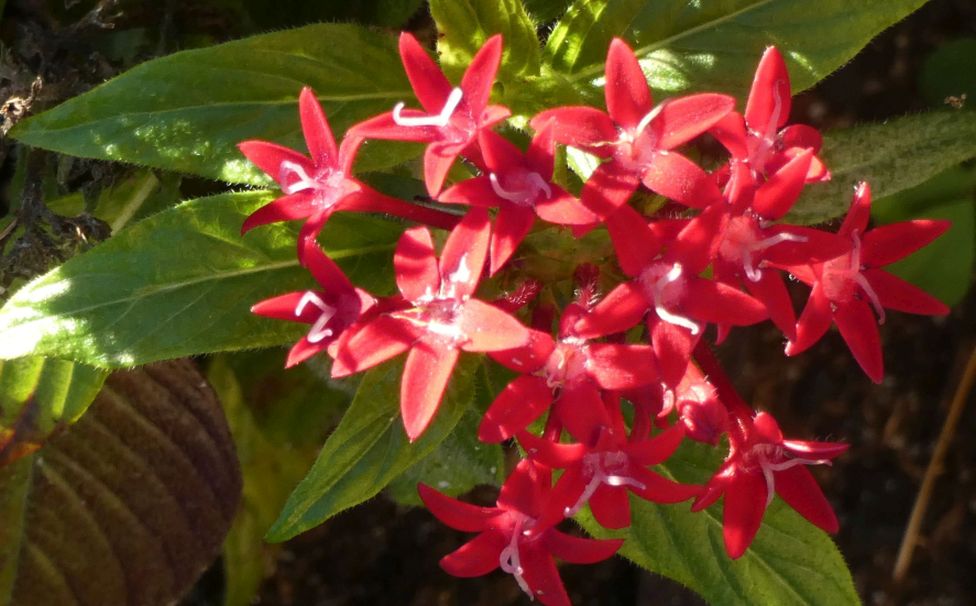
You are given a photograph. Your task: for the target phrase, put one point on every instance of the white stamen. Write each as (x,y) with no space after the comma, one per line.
(594,462)
(440,120)
(872,296)
(540,184)
(647,119)
(318,330)
(501,192)
(289,168)
(461,275)
(662,312)
(508,560)
(752,272)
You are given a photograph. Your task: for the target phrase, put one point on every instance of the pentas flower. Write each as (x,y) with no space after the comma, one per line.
(703,415)
(603,469)
(330,309)
(758,141)
(439,320)
(319,185)
(521,186)
(851,289)
(668,285)
(510,538)
(452,117)
(637,139)
(762,463)
(568,374)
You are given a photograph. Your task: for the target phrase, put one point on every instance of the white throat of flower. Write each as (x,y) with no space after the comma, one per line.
(752,272)
(594,463)
(318,330)
(440,120)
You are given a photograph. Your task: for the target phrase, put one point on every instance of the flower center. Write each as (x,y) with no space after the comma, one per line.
(326,185)
(841,278)
(520,187)
(611,468)
(567,363)
(318,332)
(770,458)
(665,285)
(761,143)
(743,239)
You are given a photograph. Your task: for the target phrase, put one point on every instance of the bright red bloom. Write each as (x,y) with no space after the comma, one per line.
(637,139)
(441,319)
(452,117)
(510,538)
(316,187)
(569,372)
(760,464)
(758,141)
(848,287)
(602,469)
(521,186)
(330,310)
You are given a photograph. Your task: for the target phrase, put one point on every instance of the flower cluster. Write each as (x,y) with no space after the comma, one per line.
(612,389)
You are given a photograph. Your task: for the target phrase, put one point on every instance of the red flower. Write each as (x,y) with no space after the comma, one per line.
(454,115)
(521,186)
(848,287)
(329,310)
(509,537)
(760,464)
(441,320)
(316,187)
(637,138)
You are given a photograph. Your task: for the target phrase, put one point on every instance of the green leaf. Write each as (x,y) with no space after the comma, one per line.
(944,267)
(369,448)
(278,420)
(464,26)
(546,10)
(38,396)
(790,562)
(891,156)
(187,111)
(129,505)
(715,46)
(181,283)
(947,74)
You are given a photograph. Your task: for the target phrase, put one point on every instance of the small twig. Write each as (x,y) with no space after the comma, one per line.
(908,542)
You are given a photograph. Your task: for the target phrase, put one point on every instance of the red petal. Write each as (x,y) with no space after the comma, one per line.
(777,195)
(324,269)
(721,303)
(564,209)
(467,245)
(303,350)
(768,107)
(425,377)
(286,208)
(672,348)
(608,189)
(860,331)
(512,224)
(438,159)
(564,495)
(815,450)
(489,328)
(283,307)
(477,557)
(521,490)
(579,126)
(581,411)
(742,514)
(658,489)
(817,246)
(553,454)
(500,155)
(634,243)
(611,507)
(473,192)
(365,345)
(428,82)
(771,291)
(383,127)
(681,119)
(731,132)
(541,155)
(620,366)
(627,94)
(577,550)
(895,293)
(813,323)
(542,577)
(530,357)
(621,309)
(797,487)
(656,450)
(678,178)
(889,243)
(521,402)
(369,200)
(268,157)
(480,75)
(318,135)
(860,212)
(415,265)
(456,514)
(696,242)
(802,136)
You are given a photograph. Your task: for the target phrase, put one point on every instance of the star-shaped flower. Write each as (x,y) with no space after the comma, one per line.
(509,537)
(452,117)
(637,139)
(319,185)
(440,320)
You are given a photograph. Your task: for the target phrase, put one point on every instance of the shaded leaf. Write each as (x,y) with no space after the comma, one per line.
(891,156)
(129,505)
(546,10)
(369,448)
(186,111)
(947,76)
(131,300)
(790,562)
(715,46)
